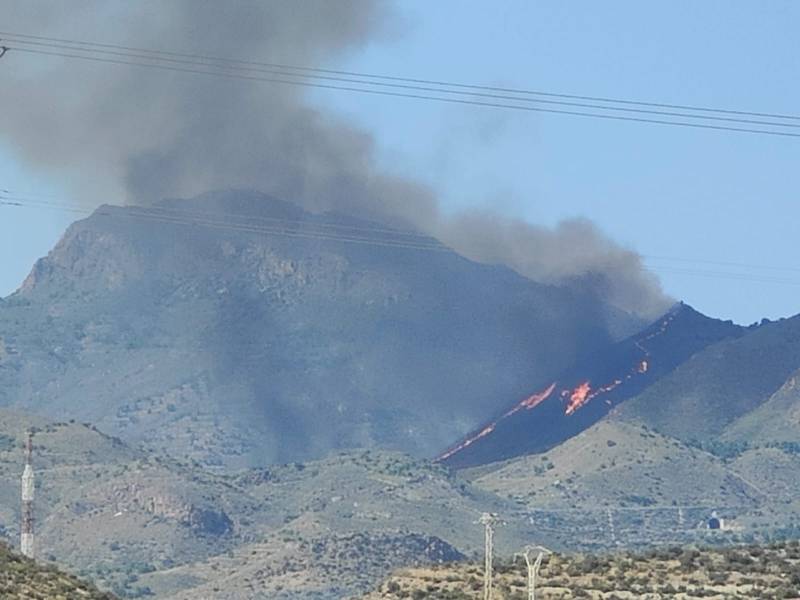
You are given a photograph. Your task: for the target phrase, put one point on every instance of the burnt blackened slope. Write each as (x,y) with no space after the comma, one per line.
(580,396)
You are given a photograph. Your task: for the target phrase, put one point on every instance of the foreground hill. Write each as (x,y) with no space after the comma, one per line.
(236,329)
(137,523)
(24,579)
(619,484)
(140,524)
(766,572)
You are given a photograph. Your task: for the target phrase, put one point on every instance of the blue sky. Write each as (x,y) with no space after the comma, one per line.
(698,198)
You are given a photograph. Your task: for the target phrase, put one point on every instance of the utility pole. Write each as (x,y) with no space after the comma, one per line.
(533,566)
(488,520)
(26,541)
(611,527)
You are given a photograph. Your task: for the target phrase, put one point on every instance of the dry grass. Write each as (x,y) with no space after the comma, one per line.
(23,579)
(762,572)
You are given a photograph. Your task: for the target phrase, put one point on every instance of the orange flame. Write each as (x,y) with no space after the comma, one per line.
(535,400)
(575,398)
(578,397)
(529,403)
(483,433)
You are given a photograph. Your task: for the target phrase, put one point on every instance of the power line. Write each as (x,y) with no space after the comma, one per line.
(33,200)
(408,79)
(420,96)
(188,219)
(721,275)
(442,90)
(721,263)
(305,229)
(21,198)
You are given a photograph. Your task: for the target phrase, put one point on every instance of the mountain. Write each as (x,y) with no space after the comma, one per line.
(566,404)
(776,420)
(715,430)
(730,390)
(235,329)
(24,579)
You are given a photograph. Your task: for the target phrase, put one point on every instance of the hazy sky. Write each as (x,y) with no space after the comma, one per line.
(699,205)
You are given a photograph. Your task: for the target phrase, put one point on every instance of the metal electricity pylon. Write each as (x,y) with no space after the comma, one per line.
(533,565)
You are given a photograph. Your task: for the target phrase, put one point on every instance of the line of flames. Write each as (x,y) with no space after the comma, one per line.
(575,398)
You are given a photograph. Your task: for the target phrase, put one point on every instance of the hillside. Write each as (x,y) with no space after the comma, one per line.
(23,579)
(238,330)
(725,382)
(620,466)
(776,420)
(766,572)
(568,403)
(623,485)
(138,523)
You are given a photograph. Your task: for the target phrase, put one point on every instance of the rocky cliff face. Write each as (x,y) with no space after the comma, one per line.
(238,330)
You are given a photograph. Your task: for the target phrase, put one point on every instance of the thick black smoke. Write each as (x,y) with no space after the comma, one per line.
(142,134)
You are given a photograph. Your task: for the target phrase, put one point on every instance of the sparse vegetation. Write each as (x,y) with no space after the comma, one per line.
(763,572)
(23,579)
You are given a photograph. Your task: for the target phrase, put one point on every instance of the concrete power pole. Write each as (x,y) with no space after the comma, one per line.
(488,520)
(612,530)
(26,541)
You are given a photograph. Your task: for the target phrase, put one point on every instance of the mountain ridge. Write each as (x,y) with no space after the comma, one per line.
(243,345)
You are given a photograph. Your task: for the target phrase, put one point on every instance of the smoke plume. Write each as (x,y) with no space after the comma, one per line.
(116,131)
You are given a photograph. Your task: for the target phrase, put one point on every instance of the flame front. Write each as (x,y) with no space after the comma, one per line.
(578,397)
(574,398)
(528,403)
(469,441)
(533,401)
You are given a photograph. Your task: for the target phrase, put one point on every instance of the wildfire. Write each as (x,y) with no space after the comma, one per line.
(529,403)
(469,441)
(578,397)
(583,393)
(607,388)
(574,398)
(534,400)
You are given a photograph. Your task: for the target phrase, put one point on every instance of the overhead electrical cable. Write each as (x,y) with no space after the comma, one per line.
(419,96)
(300,229)
(329,225)
(721,263)
(440,83)
(291,229)
(414,237)
(21,198)
(414,87)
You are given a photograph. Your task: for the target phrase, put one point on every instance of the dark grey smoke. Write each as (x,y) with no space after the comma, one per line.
(142,134)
